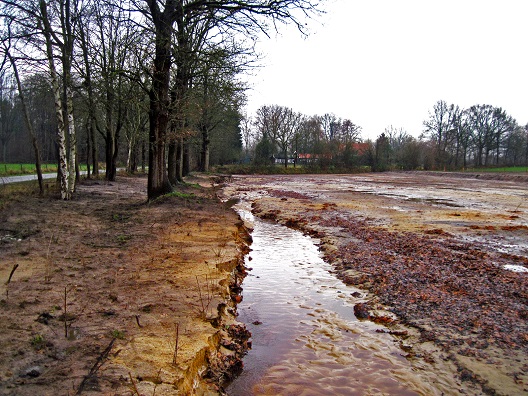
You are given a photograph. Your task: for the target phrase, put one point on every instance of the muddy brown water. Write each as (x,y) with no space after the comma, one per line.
(306,339)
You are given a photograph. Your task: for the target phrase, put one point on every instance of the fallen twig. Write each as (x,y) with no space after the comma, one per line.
(98,363)
(176,345)
(9,280)
(65,312)
(11,274)
(134,384)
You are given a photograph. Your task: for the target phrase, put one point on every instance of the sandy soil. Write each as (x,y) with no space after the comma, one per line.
(111,295)
(431,250)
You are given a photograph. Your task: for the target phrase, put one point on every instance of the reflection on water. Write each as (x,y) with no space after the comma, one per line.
(306,339)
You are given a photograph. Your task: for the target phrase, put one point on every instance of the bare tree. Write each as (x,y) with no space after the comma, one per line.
(267,122)
(440,128)
(245,16)
(288,128)
(516,147)
(329,125)
(7,110)
(60,38)
(502,124)
(248,137)
(49,29)
(27,117)
(348,132)
(219,91)
(86,73)
(135,127)
(481,126)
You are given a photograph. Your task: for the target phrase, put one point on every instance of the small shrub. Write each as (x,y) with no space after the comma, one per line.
(38,341)
(179,194)
(120,335)
(122,239)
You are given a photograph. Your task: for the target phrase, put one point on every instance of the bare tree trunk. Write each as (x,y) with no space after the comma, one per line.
(72,157)
(143,155)
(61,139)
(173,163)
(179,155)
(186,165)
(91,142)
(67,52)
(29,125)
(95,157)
(61,132)
(129,156)
(88,149)
(158,181)
(204,157)
(109,136)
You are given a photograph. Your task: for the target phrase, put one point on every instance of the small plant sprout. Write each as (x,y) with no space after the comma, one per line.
(65,313)
(218,252)
(37,341)
(122,239)
(120,335)
(206,297)
(177,336)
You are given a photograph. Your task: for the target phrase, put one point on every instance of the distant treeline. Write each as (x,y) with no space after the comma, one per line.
(452,138)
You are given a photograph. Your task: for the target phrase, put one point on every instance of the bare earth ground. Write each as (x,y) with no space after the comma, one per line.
(112,295)
(104,281)
(430,249)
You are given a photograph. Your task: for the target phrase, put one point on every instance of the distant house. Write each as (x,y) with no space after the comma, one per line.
(282,160)
(307,158)
(361,148)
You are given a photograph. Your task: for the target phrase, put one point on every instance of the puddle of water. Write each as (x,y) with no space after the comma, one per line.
(306,339)
(9,238)
(515,268)
(473,196)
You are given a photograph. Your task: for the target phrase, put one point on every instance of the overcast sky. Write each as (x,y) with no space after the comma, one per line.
(387,62)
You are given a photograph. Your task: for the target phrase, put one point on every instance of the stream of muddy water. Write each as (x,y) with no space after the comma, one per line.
(306,339)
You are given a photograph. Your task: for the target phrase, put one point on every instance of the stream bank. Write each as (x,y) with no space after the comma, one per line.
(111,295)
(306,338)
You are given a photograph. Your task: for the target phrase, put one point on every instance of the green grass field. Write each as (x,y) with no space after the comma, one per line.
(28,169)
(24,169)
(511,169)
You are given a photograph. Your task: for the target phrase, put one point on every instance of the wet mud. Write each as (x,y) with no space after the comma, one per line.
(440,264)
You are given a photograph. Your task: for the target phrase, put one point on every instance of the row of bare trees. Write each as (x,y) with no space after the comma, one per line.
(482,135)
(278,132)
(453,138)
(119,67)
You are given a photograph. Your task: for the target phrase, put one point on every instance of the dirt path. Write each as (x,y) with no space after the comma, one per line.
(432,252)
(108,288)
